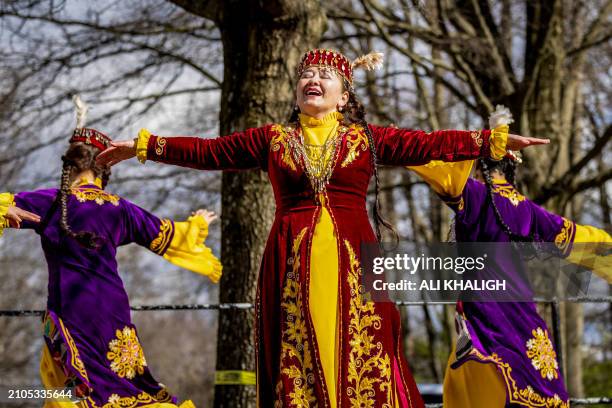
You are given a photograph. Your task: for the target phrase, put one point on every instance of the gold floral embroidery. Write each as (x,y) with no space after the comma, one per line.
(526,396)
(477,137)
(542,354)
(160,146)
(296,356)
(126,356)
(280,139)
(564,236)
(75,358)
(115,401)
(94,194)
(356,141)
(159,244)
(365,355)
(510,193)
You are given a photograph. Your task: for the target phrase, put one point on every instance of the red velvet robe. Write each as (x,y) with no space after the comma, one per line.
(371,360)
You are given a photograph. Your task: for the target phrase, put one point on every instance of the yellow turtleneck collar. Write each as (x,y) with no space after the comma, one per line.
(328,120)
(500,181)
(85,182)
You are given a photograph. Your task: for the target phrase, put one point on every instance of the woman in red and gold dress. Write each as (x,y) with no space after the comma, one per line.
(319,342)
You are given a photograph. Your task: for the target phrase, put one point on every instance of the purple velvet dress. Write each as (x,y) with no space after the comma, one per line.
(87,328)
(511,335)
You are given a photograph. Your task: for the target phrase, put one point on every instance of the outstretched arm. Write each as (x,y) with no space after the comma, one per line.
(238,151)
(404,147)
(180,243)
(15,217)
(583,245)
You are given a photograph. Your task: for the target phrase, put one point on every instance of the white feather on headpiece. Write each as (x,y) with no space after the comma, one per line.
(501,116)
(81,111)
(369,61)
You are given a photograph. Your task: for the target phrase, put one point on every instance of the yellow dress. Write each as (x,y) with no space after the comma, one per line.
(323,286)
(323,300)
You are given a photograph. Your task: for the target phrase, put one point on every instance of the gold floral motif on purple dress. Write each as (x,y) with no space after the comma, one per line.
(542,354)
(115,401)
(368,366)
(126,356)
(525,396)
(564,236)
(94,194)
(159,244)
(75,360)
(510,193)
(296,356)
(356,141)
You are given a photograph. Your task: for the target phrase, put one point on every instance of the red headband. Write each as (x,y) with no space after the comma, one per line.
(328,58)
(91,137)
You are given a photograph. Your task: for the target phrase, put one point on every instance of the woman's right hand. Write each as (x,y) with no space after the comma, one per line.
(16,215)
(117,152)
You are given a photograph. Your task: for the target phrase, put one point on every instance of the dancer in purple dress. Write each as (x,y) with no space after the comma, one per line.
(90,341)
(505,356)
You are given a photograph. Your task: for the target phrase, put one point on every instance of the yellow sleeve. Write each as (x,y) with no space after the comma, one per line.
(6,200)
(188,251)
(589,245)
(141,145)
(498,142)
(448,179)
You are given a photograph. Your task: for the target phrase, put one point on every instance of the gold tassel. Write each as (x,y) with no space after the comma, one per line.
(369,61)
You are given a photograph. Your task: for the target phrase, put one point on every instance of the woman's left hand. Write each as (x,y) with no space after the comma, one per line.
(209,216)
(517,142)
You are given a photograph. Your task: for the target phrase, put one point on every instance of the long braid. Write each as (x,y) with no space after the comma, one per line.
(356,114)
(67,170)
(78,158)
(486,172)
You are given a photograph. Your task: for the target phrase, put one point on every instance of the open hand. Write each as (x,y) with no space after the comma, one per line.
(16,215)
(517,142)
(117,152)
(209,216)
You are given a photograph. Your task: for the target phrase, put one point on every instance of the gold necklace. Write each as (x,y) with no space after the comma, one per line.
(317,168)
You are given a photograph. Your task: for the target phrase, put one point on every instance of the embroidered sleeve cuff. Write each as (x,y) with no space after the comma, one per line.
(188,251)
(166,234)
(498,141)
(6,200)
(141,145)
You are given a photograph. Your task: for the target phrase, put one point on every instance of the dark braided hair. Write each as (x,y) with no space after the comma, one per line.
(355,113)
(508,168)
(78,158)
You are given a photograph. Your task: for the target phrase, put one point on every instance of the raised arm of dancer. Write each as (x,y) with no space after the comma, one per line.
(24,210)
(583,245)
(180,243)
